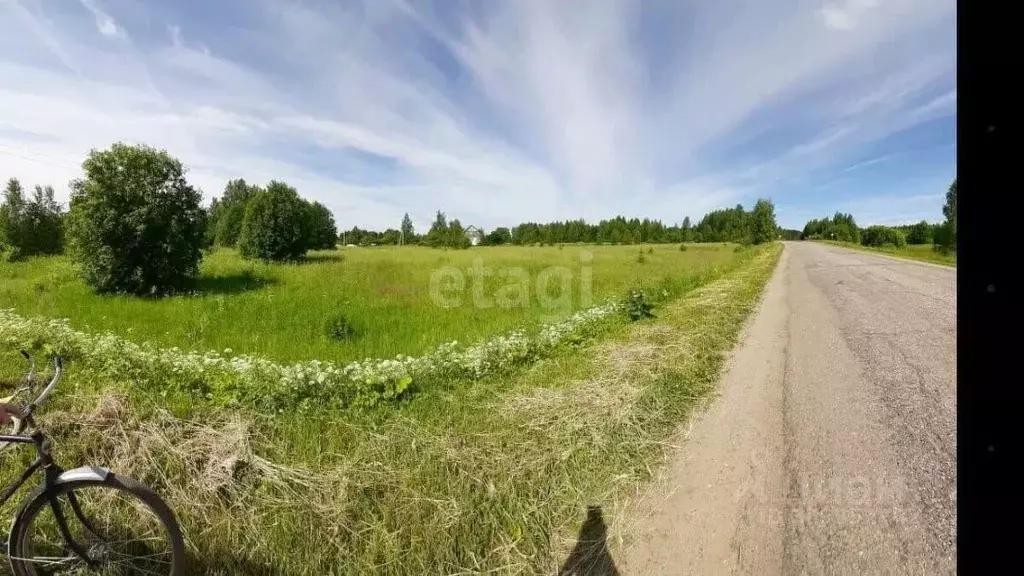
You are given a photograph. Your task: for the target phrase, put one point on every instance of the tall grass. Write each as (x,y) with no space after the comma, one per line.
(286,312)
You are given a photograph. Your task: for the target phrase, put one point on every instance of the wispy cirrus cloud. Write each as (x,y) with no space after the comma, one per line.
(496,112)
(104,23)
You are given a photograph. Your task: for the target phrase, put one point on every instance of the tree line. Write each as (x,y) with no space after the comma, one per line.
(271,222)
(405,234)
(843,228)
(755,226)
(729,225)
(135,225)
(30,226)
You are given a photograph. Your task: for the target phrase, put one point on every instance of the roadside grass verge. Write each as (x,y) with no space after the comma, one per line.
(487,476)
(921,252)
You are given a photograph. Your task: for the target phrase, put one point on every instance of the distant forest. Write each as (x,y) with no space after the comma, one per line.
(726,225)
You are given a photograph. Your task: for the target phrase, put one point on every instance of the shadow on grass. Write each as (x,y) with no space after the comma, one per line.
(232,283)
(591,556)
(324,257)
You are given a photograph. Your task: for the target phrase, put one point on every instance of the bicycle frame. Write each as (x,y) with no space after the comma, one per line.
(44,460)
(52,472)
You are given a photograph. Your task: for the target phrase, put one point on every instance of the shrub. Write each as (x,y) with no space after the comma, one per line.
(682,247)
(637,307)
(275,226)
(339,328)
(136,225)
(841,228)
(883,236)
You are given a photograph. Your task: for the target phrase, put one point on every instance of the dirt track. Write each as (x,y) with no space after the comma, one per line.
(832,448)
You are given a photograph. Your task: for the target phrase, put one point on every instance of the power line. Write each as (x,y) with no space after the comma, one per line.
(54,161)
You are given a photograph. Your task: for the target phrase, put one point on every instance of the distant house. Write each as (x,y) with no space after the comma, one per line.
(474,234)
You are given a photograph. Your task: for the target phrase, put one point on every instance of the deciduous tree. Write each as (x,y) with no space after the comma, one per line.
(135,224)
(275,226)
(320,228)
(763,225)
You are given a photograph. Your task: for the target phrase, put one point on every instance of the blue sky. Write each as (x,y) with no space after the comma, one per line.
(500,112)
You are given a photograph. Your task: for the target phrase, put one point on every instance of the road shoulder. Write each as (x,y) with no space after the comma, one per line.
(901,259)
(706,512)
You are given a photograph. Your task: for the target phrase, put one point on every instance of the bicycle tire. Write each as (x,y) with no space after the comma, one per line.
(39,499)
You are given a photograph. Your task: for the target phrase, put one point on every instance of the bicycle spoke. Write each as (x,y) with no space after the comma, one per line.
(116,534)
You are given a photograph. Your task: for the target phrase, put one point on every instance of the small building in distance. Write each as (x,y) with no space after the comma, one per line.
(474,234)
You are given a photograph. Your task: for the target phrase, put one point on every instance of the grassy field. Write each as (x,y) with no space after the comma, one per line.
(922,252)
(280,311)
(492,475)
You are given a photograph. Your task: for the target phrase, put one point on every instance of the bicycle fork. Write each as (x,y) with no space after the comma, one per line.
(53,471)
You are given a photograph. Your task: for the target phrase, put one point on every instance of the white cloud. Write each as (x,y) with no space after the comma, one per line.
(538,111)
(870,162)
(892,211)
(104,23)
(845,15)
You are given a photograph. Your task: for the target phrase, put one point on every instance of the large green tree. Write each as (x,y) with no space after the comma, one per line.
(763,227)
(13,228)
(136,224)
(437,236)
(322,233)
(45,222)
(275,226)
(391,237)
(498,236)
(408,235)
(920,233)
(227,214)
(445,234)
(456,237)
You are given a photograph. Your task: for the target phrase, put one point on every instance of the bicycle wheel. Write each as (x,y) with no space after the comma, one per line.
(122,526)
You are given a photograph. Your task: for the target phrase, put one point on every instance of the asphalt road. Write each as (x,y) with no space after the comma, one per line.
(832,446)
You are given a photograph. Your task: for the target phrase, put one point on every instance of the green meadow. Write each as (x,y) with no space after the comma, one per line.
(396,300)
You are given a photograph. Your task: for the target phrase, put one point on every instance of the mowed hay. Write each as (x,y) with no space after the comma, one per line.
(208,470)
